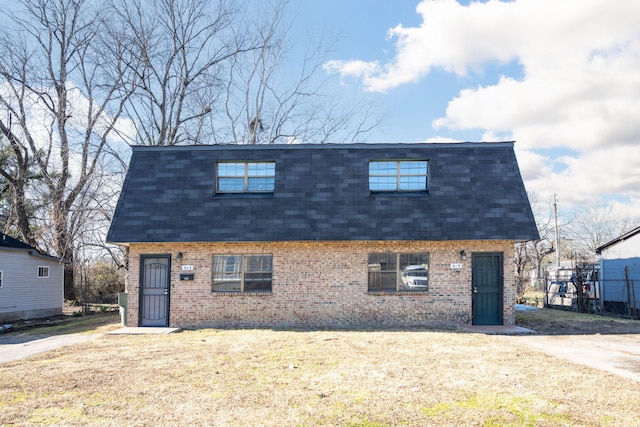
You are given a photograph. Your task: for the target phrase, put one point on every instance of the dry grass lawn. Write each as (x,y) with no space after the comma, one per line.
(310,378)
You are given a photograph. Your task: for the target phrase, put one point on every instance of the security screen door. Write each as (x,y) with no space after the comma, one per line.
(154,290)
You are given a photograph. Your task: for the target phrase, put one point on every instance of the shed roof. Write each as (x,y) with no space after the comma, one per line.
(322,193)
(617,240)
(10,242)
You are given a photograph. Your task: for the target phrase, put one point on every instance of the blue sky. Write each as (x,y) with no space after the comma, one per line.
(561,78)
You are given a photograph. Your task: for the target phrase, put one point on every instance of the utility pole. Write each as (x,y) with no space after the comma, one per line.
(555,216)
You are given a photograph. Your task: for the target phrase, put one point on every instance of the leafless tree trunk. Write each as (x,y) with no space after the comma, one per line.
(64,94)
(530,256)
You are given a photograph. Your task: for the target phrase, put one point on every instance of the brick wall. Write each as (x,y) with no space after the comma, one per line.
(321,284)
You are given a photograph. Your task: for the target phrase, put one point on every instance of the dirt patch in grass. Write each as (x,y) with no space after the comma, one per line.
(309,378)
(550,321)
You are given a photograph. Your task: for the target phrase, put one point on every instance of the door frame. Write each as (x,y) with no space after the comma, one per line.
(499,296)
(141,287)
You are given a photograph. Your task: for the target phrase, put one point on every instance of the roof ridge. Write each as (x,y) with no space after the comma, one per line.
(312,146)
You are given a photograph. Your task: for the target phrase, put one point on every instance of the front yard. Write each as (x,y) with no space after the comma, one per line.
(309,378)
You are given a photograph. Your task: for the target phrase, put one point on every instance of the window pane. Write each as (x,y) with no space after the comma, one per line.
(413,168)
(413,183)
(257,282)
(261,169)
(230,184)
(390,263)
(415,280)
(258,263)
(226,286)
(385,261)
(227,264)
(231,169)
(379,281)
(227,270)
(261,184)
(388,281)
(383,183)
(414,259)
(382,272)
(383,168)
(415,272)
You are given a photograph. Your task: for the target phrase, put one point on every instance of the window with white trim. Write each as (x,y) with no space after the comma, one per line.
(398,175)
(398,272)
(43,272)
(242,273)
(245,177)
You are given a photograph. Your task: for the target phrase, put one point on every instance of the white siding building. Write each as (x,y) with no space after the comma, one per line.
(31,283)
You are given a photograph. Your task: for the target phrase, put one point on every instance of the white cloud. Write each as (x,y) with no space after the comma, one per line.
(586,178)
(578,88)
(441,139)
(352,68)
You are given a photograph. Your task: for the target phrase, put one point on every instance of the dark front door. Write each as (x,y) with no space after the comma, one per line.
(487,284)
(154,290)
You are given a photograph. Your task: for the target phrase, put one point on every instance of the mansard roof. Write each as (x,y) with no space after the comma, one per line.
(321,193)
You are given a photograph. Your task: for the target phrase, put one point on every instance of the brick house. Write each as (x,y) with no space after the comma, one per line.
(344,235)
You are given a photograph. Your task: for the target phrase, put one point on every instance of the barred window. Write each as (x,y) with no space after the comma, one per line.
(242,273)
(398,272)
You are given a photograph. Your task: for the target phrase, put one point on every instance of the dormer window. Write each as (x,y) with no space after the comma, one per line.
(245,177)
(398,175)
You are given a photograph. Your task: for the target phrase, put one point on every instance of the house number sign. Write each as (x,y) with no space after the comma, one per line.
(456,266)
(187,268)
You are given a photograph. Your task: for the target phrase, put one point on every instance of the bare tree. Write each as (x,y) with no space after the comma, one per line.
(175,52)
(530,256)
(63,93)
(223,72)
(592,227)
(16,172)
(271,96)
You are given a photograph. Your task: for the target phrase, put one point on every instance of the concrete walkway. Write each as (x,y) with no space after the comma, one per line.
(498,329)
(617,354)
(144,331)
(16,346)
(20,346)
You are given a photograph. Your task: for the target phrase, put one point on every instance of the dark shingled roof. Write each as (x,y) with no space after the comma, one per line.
(13,244)
(10,242)
(322,193)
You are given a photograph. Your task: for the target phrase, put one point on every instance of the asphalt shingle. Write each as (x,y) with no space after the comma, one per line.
(322,193)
